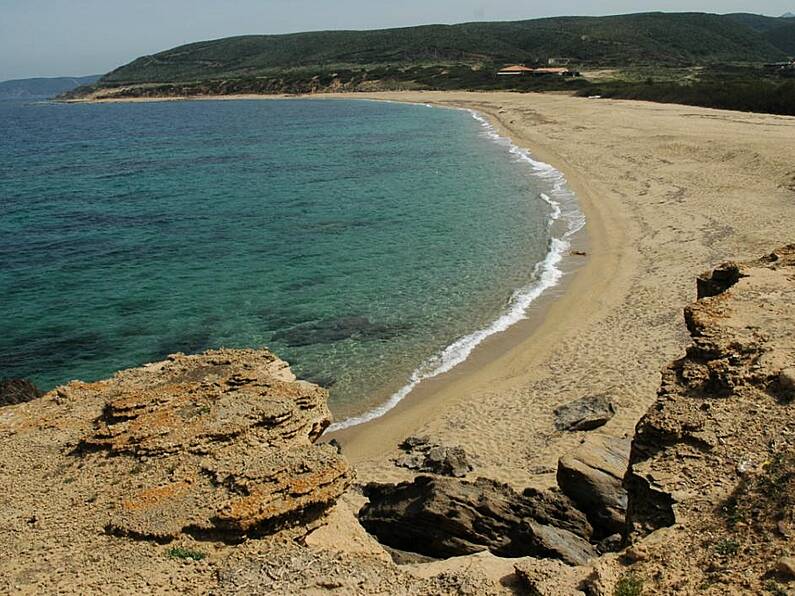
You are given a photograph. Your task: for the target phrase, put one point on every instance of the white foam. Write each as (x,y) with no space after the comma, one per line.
(565,220)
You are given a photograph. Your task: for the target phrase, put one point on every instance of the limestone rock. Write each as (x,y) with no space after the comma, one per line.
(17,391)
(711,478)
(219,444)
(741,349)
(442,517)
(587,413)
(424,456)
(592,475)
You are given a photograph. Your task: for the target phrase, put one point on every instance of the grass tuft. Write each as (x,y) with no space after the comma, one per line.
(179,552)
(727,547)
(630,584)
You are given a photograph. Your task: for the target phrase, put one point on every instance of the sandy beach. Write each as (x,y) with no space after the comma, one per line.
(161,478)
(668,191)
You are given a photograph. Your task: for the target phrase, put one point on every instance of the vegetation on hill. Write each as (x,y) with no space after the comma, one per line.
(648,38)
(724,87)
(692,58)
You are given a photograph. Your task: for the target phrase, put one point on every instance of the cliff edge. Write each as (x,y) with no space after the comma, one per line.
(712,468)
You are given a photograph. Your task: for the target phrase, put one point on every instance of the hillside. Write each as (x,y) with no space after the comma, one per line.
(638,39)
(42,87)
(779,32)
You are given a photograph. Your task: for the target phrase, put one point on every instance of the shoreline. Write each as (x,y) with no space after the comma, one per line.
(617,320)
(492,344)
(558,262)
(375,438)
(669,191)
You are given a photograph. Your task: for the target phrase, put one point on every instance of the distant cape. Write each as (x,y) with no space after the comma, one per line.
(42,88)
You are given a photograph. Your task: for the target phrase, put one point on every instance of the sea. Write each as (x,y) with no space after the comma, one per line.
(370,244)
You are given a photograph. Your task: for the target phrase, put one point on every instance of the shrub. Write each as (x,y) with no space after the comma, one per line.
(179,552)
(630,584)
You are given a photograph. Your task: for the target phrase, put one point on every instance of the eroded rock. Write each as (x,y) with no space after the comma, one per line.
(587,413)
(592,476)
(442,517)
(424,456)
(216,444)
(720,426)
(17,391)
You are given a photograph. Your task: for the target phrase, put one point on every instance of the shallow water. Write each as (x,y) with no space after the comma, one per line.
(363,242)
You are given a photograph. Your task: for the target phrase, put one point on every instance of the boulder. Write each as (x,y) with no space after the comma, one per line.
(220,444)
(17,391)
(592,476)
(587,413)
(443,517)
(557,543)
(424,456)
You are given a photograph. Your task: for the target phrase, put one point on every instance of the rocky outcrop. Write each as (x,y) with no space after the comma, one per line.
(592,476)
(442,517)
(587,413)
(217,445)
(422,455)
(17,391)
(549,578)
(714,457)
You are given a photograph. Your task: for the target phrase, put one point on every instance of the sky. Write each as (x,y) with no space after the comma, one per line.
(83,37)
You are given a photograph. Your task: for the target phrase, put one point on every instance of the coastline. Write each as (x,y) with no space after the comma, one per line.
(501,356)
(566,225)
(668,191)
(612,324)
(558,262)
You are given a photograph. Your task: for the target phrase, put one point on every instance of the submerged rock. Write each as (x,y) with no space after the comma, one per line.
(592,476)
(442,517)
(333,330)
(587,413)
(17,391)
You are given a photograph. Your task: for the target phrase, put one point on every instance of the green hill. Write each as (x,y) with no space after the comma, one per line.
(779,32)
(675,39)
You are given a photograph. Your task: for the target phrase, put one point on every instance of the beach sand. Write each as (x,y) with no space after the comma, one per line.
(668,191)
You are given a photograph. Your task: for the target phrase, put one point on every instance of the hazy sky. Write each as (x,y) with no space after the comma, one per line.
(80,37)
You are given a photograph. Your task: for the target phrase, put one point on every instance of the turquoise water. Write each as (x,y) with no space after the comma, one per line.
(358,240)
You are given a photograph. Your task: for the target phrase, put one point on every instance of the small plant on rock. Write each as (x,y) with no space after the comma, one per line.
(727,547)
(179,552)
(773,587)
(630,584)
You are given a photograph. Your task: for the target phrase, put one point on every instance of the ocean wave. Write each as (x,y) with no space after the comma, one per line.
(564,221)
